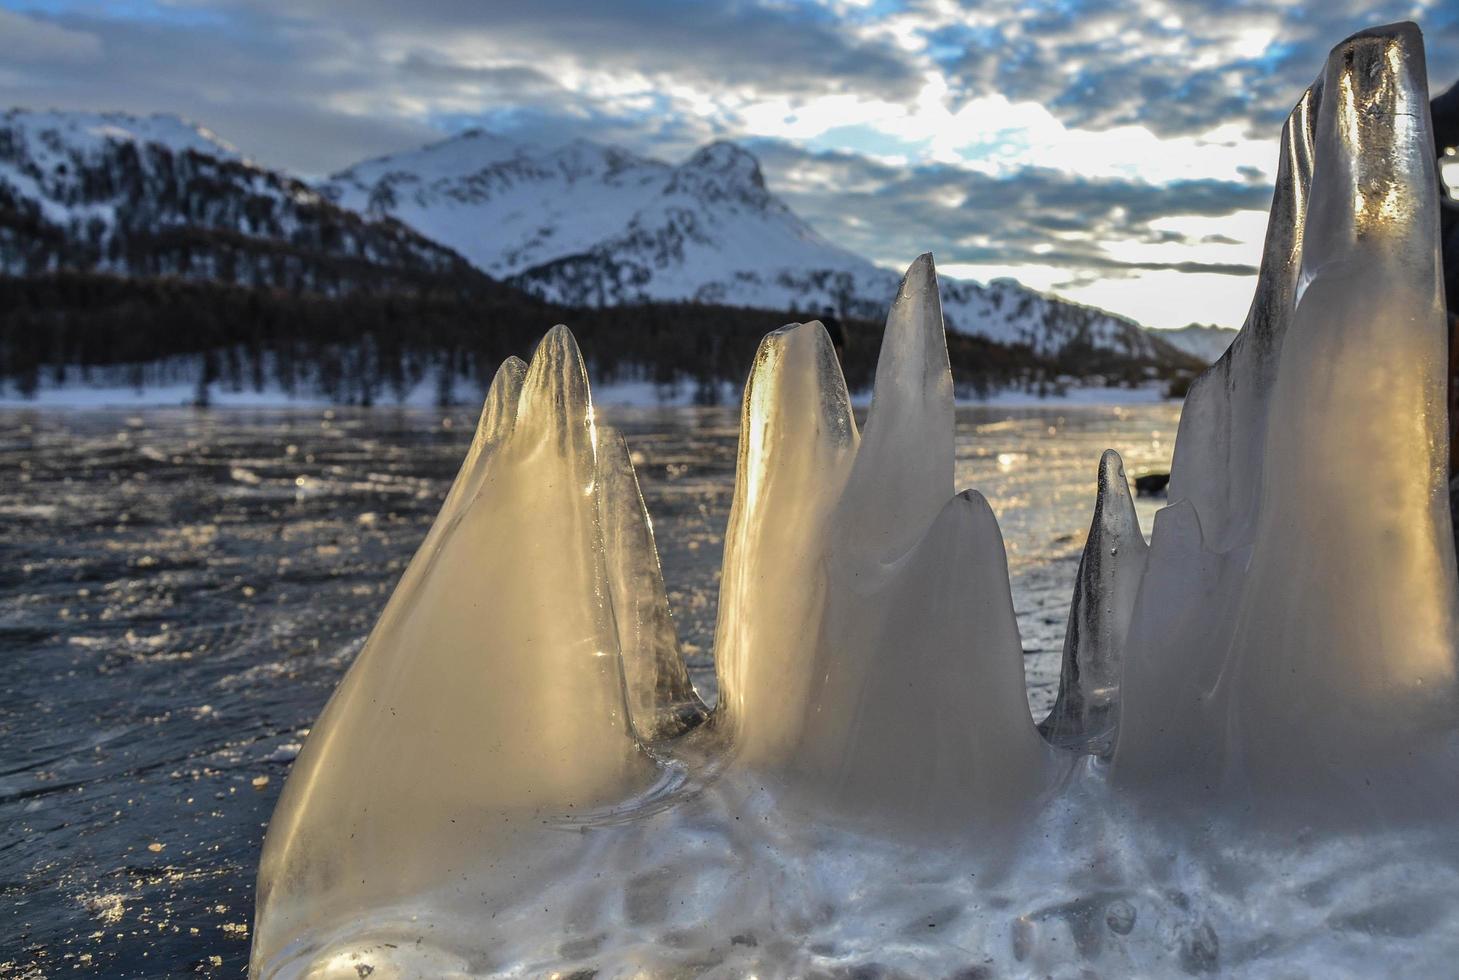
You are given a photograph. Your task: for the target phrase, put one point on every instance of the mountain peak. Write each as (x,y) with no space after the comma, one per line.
(729,158)
(457,155)
(723,171)
(589,224)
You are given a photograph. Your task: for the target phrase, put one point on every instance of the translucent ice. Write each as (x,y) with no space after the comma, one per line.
(1331,661)
(1221,444)
(1086,711)
(798,440)
(839,551)
(914,706)
(1250,768)
(661,701)
(902,477)
(442,714)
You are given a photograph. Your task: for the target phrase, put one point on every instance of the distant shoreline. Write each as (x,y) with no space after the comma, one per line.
(627,394)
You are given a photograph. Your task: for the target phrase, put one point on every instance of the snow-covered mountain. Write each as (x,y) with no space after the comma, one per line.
(1205,342)
(580,224)
(155,195)
(587,224)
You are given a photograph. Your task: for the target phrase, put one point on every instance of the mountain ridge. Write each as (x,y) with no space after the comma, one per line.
(578,223)
(353,289)
(588,224)
(157,196)
(1203,340)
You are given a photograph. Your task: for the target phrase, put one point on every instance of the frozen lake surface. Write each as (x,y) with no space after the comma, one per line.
(182,590)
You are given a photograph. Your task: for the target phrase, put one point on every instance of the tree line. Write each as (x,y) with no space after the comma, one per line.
(365,348)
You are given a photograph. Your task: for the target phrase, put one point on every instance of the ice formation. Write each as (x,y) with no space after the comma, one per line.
(1110,572)
(1250,767)
(1326,654)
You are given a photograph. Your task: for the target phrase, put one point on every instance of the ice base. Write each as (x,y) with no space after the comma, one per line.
(1250,768)
(725,875)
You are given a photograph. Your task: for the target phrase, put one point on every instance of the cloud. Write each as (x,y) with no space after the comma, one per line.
(1039,79)
(276,97)
(512,81)
(31,41)
(1176,67)
(1030,216)
(657,75)
(769,47)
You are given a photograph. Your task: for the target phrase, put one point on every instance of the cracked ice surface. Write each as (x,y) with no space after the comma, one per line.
(1250,768)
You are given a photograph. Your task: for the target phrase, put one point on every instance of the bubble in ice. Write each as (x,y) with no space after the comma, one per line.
(1250,768)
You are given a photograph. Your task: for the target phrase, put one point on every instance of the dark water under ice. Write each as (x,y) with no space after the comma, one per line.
(180,591)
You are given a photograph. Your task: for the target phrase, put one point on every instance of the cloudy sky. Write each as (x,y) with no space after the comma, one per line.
(1118,152)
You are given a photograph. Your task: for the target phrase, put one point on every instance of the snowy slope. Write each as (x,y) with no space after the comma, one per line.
(155,195)
(51,137)
(586,224)
(45,156)
(506,206)
(1207,343)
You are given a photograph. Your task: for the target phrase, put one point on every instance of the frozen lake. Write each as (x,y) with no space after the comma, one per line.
(181,590)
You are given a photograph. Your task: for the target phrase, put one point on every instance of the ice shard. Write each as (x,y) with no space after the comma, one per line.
(1332,661)
(1176,648)
(1086,711)
(662,702)
(914,708)
(903,472)
(1344,655)
(798,440)
(915,717)
(484,700)
(498,416)
(1221,443)
(867,643)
